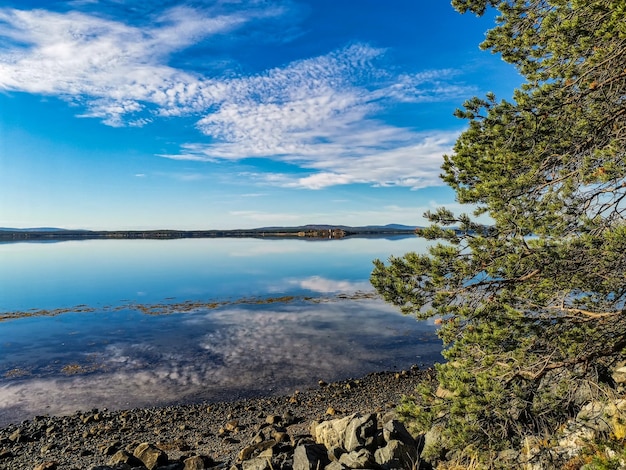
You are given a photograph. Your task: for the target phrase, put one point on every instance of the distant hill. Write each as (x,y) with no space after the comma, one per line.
(348,228)
(35,229)
(312,231)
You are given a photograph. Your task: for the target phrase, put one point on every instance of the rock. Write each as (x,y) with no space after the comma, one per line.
(256,464)
(195,463)
(279,436)
(171,466)
(150,455)
(46,466)
(258,438)
(17,436)
(444,393)
(288,419)
(46,448)
(592,416)
(109,449)
(330,433)
(123,456)
(360,432)
(434,448)
(335,453)
(396,454)
(247,452)
(507,458)
(395,430)
(232,425)
(310,457)
(619,373)
(361,458)
(273,419)
(335,466)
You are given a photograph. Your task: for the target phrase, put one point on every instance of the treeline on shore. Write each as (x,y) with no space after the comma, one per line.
(296,232)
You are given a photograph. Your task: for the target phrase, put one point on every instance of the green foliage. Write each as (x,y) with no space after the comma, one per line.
(532,306)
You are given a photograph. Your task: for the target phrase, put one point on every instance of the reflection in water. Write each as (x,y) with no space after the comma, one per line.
(111,354)
(122,360)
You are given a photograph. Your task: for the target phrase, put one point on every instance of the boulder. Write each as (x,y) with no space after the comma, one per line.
(361,458)
(122,456)
(330,433)
(256,464)
(434,448)
(396,454)
(336,466)
(395,430)
(360,432)
(249,451)
(196,463)
(151,456)
(310,457)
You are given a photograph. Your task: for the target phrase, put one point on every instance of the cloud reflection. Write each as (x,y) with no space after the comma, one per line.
(329,286)
(219,354)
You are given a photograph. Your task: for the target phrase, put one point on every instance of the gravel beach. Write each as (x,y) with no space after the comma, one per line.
(214,433)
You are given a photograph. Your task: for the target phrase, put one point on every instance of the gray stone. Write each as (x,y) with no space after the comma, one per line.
(273,419)
(256,464)
(361,458)
(232,425)
(619,373)
(151,456)
(593,416)
(395,430)
(46,466)
(17,436)
(396,454)
(334,453)
(330,433)
(433,443)
(335,466)
(123,456)
(171,466)
(279,436)
(195,463)
(310,457)
(360,432)
(247,452)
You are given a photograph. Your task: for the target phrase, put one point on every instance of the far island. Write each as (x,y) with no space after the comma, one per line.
(318,232)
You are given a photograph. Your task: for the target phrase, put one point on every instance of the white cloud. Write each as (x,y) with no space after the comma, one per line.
(321,114)
(114,68)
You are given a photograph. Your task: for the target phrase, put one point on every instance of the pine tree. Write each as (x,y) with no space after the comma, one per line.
(532,305)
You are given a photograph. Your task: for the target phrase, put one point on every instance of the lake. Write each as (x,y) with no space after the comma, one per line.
(130,323)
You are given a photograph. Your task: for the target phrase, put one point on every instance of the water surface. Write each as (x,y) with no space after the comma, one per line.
(126,323)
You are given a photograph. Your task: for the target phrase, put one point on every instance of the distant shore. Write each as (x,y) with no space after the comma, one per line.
(304,232)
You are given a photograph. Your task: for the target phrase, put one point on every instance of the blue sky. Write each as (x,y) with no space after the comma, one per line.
(128,114)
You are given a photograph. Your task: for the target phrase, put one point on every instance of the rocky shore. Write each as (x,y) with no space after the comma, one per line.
(303,431)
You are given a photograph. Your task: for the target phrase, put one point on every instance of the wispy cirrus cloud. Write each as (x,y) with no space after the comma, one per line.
(321,114)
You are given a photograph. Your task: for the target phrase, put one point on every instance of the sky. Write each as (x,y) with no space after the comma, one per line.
(227,114)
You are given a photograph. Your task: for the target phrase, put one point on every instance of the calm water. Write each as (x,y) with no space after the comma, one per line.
(122,324)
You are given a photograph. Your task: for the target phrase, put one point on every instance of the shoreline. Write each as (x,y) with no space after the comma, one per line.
(87,439)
